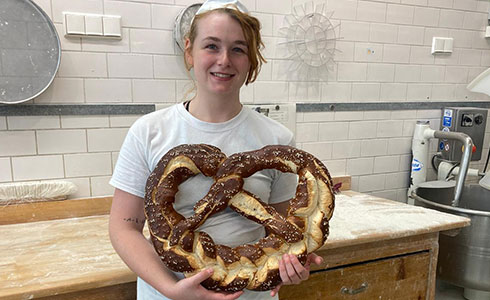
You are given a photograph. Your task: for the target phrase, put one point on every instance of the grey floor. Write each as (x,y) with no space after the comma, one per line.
(445,291)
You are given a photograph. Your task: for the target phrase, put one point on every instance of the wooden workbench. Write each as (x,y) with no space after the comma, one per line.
(376,248)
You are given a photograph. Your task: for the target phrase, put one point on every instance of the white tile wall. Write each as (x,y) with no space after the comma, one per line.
(451,18)
(412,35)
(270,91)
(368,52)
(333,131)
(362,130)
(106,139)
(441,3)
(369,183)
(130,65)
(170,67)
(349,116)
(151,41)
(380,72)
(389,128)
(355,31)
(61,141)
(32,122)
(163,16)
(3,123)
(108,90)
(399,14)
(336,92)
(133,14)
(426,16)
(371,11)
(346,149)
(352,71)
(383,33)
(360,166)
(100,186)
(17,143)
(281,7)
(419,92)
(84,121)
(307,133)
(384,55)
(5,170)
(386,164)
(374,147)
(474,21)
(399,145)
(153,91)
(63,90)
(407,73)
(393,92)
(83,185)
(81,6)
(365,91)
(90,164)
(85,64)
(343,9)
(123,120)
(37,167)
(396,53)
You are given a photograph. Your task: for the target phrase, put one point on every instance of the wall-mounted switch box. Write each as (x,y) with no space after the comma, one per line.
(93,25)
(112,26)
(74,24)
(442,45)
(103,26)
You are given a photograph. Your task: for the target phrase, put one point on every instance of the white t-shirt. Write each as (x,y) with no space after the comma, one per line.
(156,133)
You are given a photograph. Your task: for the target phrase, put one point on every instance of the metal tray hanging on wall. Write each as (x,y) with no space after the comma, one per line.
(30,51)
(183,24)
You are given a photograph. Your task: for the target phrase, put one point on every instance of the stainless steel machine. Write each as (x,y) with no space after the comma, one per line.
(464,259)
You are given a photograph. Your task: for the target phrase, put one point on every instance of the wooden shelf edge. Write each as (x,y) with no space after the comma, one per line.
(54,210)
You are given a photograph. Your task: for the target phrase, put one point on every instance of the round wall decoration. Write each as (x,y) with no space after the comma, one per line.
(310,39)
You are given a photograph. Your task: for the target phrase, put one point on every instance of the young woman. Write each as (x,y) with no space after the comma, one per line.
(222,49)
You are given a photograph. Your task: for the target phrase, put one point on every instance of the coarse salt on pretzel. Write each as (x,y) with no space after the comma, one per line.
(252,266)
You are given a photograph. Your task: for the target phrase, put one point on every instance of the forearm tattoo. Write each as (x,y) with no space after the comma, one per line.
(135,220)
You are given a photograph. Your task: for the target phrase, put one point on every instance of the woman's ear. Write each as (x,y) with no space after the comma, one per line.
(189,60)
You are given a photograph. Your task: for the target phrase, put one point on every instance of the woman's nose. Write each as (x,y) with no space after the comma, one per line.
(224,58)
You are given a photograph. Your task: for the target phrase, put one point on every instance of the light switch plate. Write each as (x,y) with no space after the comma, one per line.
(74,24)
(112,26)
(93,25)
(442,45)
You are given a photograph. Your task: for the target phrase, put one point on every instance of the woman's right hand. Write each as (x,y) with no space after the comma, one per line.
(191,288)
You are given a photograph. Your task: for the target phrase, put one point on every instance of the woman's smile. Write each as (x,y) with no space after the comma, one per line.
(222,76)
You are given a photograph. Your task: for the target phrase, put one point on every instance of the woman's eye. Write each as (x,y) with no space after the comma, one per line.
(239,50)
(212,47)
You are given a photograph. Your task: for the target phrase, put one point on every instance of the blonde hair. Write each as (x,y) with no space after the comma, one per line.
(251,30)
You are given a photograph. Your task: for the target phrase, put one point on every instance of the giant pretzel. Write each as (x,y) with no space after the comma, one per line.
(255,267)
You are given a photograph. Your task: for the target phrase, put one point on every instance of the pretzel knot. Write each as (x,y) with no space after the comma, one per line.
(253,266)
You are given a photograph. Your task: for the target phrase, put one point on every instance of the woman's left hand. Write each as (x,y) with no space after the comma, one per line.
(293,272)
